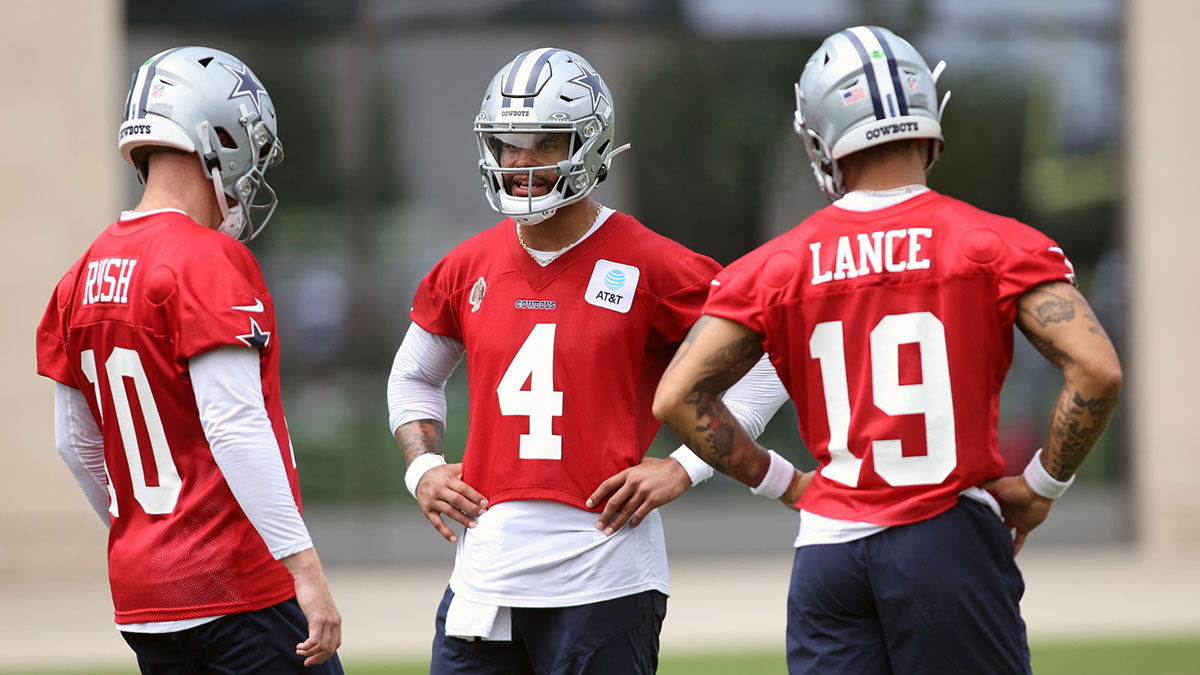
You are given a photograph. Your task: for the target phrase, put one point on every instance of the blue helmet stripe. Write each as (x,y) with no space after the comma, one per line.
(901,99)
(868,72)
(150,78)
(536,71)
(511,79)
(129,97)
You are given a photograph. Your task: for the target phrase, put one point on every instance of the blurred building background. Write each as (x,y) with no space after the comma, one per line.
(1069,115)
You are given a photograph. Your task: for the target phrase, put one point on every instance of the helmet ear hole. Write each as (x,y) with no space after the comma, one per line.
(226,138)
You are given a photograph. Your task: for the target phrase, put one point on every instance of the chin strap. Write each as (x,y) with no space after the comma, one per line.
(233,220)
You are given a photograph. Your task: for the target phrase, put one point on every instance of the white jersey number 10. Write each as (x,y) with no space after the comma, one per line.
(931,398)
(125,363)
(540,403)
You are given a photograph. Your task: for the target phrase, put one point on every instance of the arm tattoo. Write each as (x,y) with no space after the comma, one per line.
(1095,328)
(716,435)
(419,437)
(1074,427)
(688,340)
(1046,346)
(1054,309)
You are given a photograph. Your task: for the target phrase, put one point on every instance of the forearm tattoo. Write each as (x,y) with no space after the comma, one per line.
(1074,427)
(419,437)
(715,435)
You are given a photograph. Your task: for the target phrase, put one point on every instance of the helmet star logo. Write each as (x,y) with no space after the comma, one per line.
(592,82)
(247,85)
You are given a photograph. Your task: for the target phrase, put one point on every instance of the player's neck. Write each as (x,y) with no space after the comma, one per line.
(177,182)
(884,173)
(567,225)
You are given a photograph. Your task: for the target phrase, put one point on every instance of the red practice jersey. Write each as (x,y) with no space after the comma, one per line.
(149,294)
(562,360)
(892,331)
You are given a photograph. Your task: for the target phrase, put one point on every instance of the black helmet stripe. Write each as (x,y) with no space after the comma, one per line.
(901,99)
(868,73)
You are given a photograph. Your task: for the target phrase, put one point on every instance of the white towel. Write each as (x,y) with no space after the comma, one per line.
(470,620)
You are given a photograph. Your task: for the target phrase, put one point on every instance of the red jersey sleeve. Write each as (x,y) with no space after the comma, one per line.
(735,295)
(52,359)
(1036,259)
(433,307)
(679,309)
(222,299)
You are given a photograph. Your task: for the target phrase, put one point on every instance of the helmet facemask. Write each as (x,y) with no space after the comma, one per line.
(529,172)
(238,221)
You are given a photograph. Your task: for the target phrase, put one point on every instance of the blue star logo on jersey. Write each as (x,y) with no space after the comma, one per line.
(257,337)
(592,82)
(247,85)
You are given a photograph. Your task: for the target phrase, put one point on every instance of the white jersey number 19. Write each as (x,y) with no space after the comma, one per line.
(540,403)
(931,398)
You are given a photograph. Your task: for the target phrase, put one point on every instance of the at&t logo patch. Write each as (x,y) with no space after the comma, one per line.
(612,286)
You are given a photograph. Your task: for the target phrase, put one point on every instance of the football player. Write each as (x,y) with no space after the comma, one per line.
(567,312)
(889,317)
(161,340)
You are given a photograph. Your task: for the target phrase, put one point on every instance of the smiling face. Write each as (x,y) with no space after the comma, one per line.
(528,150)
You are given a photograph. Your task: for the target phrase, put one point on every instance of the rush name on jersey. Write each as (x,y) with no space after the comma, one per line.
(150,293)
(563,359)
(892,331)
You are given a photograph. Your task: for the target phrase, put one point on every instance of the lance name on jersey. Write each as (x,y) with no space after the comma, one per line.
(877,252)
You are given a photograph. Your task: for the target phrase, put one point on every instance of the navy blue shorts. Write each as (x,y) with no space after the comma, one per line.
(259,642)
(600,638)
(938,596)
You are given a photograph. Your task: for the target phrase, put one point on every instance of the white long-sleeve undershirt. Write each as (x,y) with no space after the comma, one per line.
(228,389)
(81,445)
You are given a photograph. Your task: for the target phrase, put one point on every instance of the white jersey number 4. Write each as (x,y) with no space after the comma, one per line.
(931,398)
(534,363)
(125,363)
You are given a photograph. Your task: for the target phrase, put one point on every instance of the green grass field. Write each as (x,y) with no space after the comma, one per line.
(1166,656)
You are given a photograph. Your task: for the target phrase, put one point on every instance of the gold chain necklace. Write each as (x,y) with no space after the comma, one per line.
(554,256)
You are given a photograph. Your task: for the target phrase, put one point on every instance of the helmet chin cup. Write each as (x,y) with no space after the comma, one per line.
(535,218)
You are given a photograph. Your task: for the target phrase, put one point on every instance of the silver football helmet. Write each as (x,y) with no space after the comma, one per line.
(208,102)
(548,116)
(863,87)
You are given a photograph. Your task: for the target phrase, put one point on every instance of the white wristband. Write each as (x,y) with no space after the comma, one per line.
(1040,480)
(697,469)
(418,468)
(778,478)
